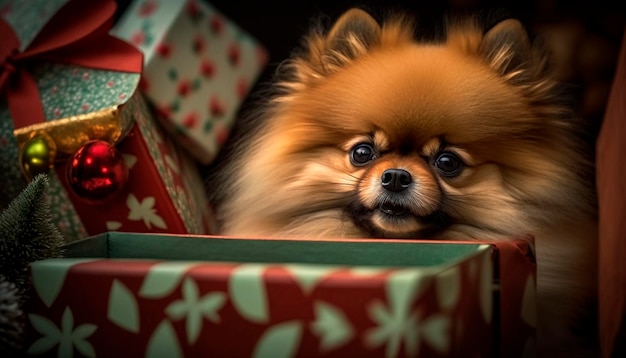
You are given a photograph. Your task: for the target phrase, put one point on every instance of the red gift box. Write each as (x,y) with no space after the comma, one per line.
(158,295)
(611,168)
(164,192)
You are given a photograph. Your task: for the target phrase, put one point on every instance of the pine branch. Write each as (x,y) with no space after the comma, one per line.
(27,233)
(11,320)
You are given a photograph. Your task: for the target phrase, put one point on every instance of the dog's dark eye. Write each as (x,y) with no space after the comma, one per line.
(448,164)
(361,154)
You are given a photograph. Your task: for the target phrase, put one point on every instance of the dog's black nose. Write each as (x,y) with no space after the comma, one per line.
(396,179)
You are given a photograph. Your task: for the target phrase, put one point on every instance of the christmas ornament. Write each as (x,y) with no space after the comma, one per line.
(37,155)
(97,172)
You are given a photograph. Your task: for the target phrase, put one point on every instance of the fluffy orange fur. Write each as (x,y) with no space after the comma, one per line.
(371,133)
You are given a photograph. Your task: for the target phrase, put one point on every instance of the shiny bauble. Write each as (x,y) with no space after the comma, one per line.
(37,156)
(97,173)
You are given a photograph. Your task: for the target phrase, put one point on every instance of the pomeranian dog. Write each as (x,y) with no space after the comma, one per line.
(369,132)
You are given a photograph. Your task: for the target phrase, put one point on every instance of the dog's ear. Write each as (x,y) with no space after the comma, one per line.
(351,36)
(508,49)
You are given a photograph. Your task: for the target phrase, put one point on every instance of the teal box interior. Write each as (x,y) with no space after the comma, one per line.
(323,252)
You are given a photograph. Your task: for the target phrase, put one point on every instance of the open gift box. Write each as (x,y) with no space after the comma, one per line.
(135,294)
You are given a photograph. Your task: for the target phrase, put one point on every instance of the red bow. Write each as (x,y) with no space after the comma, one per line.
(77,35)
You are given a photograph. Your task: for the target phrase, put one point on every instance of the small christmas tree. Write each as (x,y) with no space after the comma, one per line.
(27,234)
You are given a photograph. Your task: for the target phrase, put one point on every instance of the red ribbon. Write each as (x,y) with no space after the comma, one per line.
(78,35)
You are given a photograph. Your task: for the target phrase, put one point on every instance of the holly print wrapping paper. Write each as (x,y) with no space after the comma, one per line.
(199,67)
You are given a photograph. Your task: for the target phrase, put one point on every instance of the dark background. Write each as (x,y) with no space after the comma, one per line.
(279,25)
(584,35)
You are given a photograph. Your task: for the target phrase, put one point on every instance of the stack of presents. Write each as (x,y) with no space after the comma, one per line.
(152,95)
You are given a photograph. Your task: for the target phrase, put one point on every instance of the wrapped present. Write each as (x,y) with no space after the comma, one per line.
(57,63)
(610,170)
(198,68)
(172,296)
(163,191)
(71,88)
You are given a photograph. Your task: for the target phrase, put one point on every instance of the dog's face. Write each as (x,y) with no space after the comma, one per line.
(379,136)
(408,142)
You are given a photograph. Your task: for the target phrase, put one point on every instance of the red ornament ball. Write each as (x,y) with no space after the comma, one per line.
(97,172)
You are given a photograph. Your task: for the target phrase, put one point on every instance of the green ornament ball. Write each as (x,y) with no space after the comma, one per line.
(37,156)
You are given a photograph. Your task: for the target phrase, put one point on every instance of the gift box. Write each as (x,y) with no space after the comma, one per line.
(68,86)
(164,192)
(132,294)
(198,68)
(611,167)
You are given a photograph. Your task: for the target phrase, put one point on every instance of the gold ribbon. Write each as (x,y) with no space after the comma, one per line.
(69,134)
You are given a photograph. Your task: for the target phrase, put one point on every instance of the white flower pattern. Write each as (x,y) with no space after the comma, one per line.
(194,308)
(394,326)
(398,322)
(144,210)
(67,337)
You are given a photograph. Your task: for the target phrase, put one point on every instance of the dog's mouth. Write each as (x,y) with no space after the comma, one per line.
(393,218)
(393,209)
